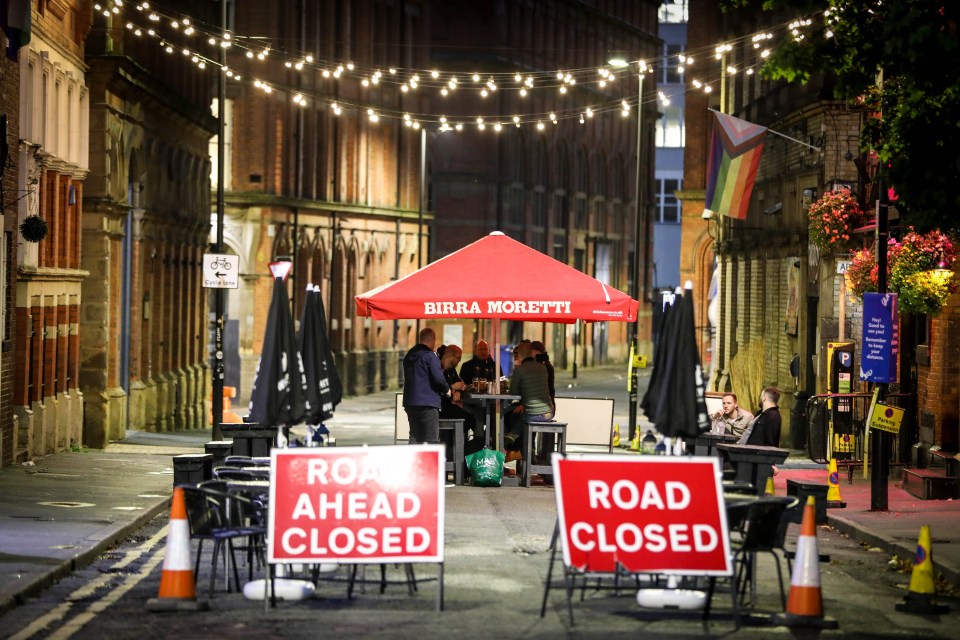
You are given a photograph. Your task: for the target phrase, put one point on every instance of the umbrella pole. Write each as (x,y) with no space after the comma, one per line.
(495,437)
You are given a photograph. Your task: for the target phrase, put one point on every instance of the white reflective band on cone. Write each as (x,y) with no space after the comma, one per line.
(178,547)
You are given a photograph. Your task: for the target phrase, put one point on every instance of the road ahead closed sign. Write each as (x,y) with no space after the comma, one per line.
(649,514)
(377,504)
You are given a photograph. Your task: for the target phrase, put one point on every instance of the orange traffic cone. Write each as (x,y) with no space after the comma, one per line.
(177,591)
(922,589)
(805,602)
(833,487)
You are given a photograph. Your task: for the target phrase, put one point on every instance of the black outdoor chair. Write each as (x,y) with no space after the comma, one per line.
(241,461)
(235,473)
(763,530)
(223,518)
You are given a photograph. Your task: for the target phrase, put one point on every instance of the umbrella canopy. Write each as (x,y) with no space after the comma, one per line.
(677,398)
(279,388)
(498,277)
(324,389)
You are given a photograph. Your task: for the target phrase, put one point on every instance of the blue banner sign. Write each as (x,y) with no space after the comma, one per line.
(881,337)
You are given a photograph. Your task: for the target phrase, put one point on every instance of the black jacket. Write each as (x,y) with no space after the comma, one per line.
(766,428)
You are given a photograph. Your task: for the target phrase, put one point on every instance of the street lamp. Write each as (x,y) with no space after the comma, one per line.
(619,59)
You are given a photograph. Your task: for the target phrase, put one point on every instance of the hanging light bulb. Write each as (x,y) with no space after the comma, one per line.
(540,125)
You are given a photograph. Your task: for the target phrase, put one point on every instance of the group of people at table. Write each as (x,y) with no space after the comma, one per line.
(433,389)
(762,429)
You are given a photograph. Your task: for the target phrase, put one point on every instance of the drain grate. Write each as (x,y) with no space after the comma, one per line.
(67,504)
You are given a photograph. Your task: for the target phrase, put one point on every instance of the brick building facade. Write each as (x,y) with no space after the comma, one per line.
(756,310)
(10,161)
(567,190)
(143,358)
(53,167)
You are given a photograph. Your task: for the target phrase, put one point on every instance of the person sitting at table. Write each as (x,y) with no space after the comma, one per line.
(731,419)
(764,430)
(451,407)
(481,366)
(540,355)
(530,382)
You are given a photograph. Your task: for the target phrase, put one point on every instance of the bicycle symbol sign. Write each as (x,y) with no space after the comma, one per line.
(221,271)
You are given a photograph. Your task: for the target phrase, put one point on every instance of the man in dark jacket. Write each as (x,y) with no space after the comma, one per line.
(451,408)
(423,384)
(765,429)
(480,366)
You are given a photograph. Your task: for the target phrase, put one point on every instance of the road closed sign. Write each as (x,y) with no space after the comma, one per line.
(645,514)
(356,505)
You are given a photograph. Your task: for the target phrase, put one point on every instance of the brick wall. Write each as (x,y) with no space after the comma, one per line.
(9,108)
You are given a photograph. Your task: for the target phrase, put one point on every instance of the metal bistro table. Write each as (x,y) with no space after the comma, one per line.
(491,411)
(752,463)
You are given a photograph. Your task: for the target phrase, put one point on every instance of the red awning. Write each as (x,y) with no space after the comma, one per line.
(498,277)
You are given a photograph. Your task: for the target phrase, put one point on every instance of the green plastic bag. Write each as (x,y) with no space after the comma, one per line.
(486,467)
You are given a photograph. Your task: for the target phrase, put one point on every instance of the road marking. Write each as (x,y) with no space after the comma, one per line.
(88,589)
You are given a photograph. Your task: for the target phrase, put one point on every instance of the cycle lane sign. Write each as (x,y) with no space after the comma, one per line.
(221,271)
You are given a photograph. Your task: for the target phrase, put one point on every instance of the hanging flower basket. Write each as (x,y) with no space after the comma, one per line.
(832,218)
(919,270)
(33,228)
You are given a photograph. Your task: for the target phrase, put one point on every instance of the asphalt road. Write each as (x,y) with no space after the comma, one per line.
(496,562)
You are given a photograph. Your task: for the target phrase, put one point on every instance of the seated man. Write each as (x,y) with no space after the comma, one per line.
(731,420)
(481,366)
(451,408)
(529,381)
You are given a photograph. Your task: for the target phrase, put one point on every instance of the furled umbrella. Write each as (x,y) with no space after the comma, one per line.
(279,387)
(324,389)
(648,403)
(680,404)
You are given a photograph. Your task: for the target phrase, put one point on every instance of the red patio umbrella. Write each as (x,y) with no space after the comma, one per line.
(497,277)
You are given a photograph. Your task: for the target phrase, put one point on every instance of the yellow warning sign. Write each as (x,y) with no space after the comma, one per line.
(640,362)
(886,418)
(844,443)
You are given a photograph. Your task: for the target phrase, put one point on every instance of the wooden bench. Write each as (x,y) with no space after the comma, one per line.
(929,485)
(559,432)
(950,461)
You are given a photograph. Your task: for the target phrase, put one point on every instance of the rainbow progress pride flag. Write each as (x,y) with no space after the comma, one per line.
(735,149)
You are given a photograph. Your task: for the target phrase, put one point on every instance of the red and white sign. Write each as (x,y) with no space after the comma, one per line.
(645,513)
(351,504)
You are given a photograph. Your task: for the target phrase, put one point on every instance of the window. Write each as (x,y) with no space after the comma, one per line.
(668,205)
(669,129)
(667,72)
(673,11)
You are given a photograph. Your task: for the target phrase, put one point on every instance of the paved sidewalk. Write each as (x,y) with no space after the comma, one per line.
(67,508)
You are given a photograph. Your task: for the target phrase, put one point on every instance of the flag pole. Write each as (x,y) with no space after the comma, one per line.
(777,133)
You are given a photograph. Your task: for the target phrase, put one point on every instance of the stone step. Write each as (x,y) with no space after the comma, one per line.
(929,485)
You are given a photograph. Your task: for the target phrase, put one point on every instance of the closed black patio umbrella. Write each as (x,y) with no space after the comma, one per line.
(649,402)
(279,387)
(324,390)
(680,405)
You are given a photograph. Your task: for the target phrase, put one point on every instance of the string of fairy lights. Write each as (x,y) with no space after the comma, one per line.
(170,31)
